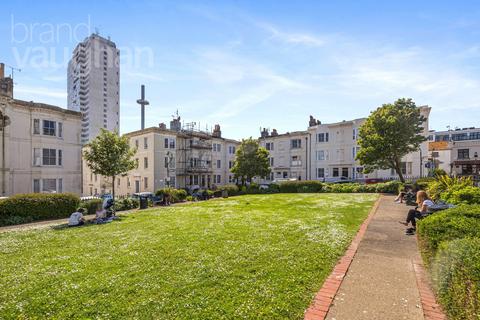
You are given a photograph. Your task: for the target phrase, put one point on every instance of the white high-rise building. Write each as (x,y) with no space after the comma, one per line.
(94,85)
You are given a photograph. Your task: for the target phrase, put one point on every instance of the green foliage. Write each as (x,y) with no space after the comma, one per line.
(456,273)
(442,184)
(23,208)
(91,206)
(251,160)
(126,204)
(460,194)
(189,198)
(300,186)
(231,189)
(389,133)
(423,183)
(455,223)
(110,155)
(439,172)
(175,195)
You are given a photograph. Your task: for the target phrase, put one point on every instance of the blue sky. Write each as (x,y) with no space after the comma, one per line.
(252,64)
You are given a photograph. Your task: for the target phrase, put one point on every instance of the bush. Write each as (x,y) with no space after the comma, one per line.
(37,206)
(179,195)
(301,186)
(445,183)
(189,198)
(231,189)
(91,206)
(455,223)
(126,204)
(389,187)
(462,195)
(176,195)
(456,274)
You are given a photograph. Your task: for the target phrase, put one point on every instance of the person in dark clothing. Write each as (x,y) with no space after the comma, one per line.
(423,203)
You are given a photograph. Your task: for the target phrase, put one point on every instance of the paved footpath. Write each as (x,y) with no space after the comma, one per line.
(381,281)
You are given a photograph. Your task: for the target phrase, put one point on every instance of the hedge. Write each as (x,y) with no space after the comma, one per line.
(126,204)
(176,195)
(455,223)
(462,195)
(456,274)
(23,208)
(91,206)
(300,186)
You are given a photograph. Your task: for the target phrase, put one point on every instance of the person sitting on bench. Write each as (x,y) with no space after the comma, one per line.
(405,193)
(423,204)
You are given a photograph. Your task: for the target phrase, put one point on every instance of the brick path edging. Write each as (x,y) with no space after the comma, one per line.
(431,309)
(322,301)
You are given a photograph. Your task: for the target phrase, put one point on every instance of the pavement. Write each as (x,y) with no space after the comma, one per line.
(381,281)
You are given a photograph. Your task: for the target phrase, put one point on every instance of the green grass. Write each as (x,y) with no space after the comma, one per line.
(255,257)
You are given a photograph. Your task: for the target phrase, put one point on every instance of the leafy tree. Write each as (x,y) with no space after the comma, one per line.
(389,133)
(251,161)
(110,155)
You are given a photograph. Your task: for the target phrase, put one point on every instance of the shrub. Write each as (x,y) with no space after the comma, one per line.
(126,204)
(455,223)
(307,186)
(445,183)
(456,274)
(37,206)
(462,195)
(179,195)
(189,198)
(176,195)
(91,206)
(389,187)
(231,189)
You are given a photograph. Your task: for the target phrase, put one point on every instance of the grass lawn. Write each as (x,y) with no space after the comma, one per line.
(255,257)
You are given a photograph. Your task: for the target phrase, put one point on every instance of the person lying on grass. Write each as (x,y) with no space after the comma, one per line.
(76,219)
(423,204)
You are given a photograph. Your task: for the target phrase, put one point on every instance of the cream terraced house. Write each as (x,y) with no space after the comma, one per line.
(176,157)
(327,152)
(41,147)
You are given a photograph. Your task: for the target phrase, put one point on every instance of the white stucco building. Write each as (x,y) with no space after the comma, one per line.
(94,85)
(40,146)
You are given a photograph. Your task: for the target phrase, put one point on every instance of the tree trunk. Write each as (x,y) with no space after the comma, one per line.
(113,188)
(398,169)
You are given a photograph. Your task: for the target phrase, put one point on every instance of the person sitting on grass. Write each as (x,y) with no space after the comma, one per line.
(76,219)
(100,214)
(422,209)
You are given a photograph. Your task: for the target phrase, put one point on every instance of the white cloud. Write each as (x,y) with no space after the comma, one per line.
(296,38)
(41,91)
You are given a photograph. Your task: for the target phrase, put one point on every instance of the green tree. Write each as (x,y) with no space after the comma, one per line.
(110,155)
(251,160)
(389,133)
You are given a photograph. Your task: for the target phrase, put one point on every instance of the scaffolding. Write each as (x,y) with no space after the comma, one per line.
(195,158)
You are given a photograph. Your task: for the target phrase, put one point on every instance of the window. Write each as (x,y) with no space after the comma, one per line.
(49,127)
(320,172)
(166,143)
(49,185)
(36,185)
(335,172)
(36,130)
(269,146)
(145,163)
(322,137)
(218,178)
(217,147)
(354,150)
(136,143)
(145,143)
(166,162)
(128,182)
(285,174)
(145,182)
(37,157)
(321,155)
(354,134)
(296,161)
(231,149)
(49,157)
(295,144)
(60,185)
(463,153)
(60,130)
(345,172)
(230,164)
(271,162)
(60,154)
(219,164)
(172,143)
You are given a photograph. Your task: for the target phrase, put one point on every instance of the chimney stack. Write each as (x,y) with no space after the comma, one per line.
(2,70)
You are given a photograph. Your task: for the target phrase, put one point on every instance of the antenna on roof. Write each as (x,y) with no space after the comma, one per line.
(13,69)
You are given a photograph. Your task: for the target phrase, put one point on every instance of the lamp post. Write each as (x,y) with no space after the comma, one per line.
(4,122)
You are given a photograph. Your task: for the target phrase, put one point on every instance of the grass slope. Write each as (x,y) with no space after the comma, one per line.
(256,256)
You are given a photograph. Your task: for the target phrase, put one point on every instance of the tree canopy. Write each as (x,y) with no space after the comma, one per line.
(251,161)
(110,155)
(389,133)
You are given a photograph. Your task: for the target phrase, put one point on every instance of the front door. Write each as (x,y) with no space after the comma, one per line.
(137,186)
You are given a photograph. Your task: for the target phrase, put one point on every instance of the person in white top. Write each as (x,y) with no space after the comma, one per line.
(76,219)
(423,203)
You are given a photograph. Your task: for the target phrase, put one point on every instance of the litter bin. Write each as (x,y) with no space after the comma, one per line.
(143,203)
